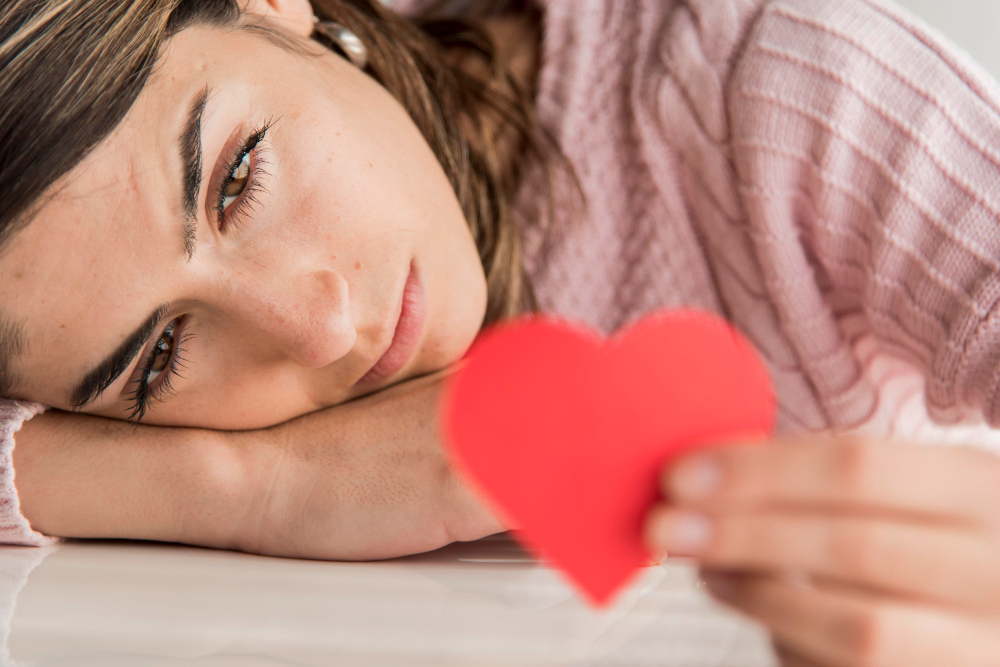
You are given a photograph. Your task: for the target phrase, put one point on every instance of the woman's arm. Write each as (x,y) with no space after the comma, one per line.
(366,480)
(83,476)
(363,480)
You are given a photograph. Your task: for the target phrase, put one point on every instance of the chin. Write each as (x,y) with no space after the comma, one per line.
(453,343)
(442,354)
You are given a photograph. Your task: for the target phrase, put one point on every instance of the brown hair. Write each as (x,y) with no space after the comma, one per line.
(70,70)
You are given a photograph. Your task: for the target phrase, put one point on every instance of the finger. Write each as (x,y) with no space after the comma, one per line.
(954,483)
(843,627)
(921,560)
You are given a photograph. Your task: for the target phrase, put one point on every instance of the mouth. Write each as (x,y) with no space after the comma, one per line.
(409,326)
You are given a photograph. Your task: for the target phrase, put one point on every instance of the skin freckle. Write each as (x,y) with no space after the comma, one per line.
(275,318)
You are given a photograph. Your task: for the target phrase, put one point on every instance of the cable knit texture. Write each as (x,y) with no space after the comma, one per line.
(14,528)
(789,164)
(824,174)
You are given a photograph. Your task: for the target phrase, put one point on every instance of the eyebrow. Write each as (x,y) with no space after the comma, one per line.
(108,371)
(189,146)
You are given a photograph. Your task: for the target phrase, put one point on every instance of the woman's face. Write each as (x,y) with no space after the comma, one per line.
(332,206)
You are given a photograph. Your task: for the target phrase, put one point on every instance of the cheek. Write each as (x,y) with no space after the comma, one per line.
(456,285)
(238,394)
(366,187)
(429,218)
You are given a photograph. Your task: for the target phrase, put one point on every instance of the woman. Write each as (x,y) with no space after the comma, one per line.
(209,243)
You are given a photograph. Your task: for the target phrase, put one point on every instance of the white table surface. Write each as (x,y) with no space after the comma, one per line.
(117,604)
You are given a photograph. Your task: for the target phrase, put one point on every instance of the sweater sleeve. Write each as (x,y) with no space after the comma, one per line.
(866,152)
(14,528)
(902,413)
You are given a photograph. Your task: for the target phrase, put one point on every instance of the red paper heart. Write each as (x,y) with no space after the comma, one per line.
(566,432)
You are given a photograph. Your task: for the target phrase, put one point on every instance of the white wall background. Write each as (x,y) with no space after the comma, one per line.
(973,24)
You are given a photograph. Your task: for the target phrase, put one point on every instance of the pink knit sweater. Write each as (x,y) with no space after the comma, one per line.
(824,174)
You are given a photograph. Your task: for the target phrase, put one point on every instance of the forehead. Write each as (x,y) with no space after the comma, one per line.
(79,269)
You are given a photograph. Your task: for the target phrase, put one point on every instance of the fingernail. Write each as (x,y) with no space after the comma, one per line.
(697,479)
(684,533)
(719,585)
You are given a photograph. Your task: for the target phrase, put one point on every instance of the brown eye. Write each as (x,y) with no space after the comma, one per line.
(238,181)
(162,352)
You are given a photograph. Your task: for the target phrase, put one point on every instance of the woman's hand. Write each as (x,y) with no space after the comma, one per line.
(368,479)
(853,553)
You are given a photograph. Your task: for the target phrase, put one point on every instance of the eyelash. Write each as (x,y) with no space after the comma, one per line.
(243,207)
(142,397)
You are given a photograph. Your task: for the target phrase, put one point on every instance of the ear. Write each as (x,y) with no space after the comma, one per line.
(295,15)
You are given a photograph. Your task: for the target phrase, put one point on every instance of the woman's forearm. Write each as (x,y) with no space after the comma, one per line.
(367,479)
(84,476)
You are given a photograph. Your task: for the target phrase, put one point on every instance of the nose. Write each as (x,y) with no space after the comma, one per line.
(307,317)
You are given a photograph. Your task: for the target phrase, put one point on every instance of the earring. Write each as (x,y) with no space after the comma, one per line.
(344,39)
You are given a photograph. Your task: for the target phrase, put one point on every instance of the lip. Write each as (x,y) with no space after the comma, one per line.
(409,326)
